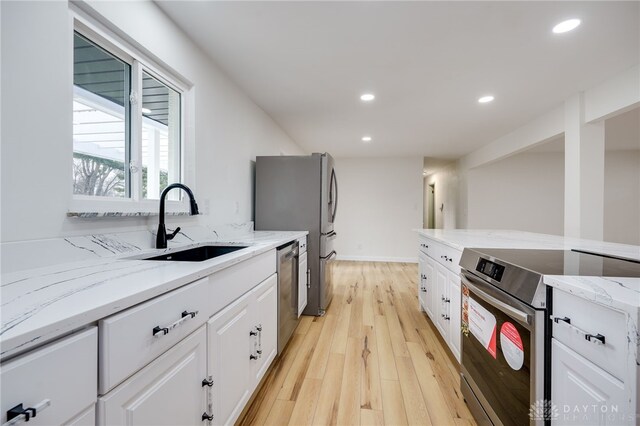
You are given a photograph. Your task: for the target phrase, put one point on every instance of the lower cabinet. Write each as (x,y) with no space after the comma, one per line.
(242,342)
(583,393)
(439,291)
(442,301)
(52,385)
(169,391)
(303,282)
(455,312)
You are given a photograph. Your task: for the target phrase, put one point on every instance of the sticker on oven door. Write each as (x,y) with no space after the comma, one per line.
(482,325)
(512,348)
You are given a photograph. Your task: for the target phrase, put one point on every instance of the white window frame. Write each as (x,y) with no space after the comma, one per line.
(105,37)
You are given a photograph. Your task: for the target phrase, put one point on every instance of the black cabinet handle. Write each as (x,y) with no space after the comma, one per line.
(598,336)
(565,319)
(206,416)
(157,329)
(253,333)
(252,357)
(207,382)
(191,314)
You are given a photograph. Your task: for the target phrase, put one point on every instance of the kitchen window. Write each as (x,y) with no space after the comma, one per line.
(128,116)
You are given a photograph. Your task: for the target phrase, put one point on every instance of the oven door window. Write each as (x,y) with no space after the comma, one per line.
(498,360)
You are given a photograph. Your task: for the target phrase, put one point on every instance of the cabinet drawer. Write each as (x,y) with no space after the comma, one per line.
(60,377)
(448,257)
(583,319)
(302,245)
(131,339)
(426,246)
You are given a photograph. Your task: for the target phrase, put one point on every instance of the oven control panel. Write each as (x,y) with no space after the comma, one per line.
(490,269)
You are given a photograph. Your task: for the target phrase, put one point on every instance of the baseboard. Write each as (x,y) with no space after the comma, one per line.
(378,259)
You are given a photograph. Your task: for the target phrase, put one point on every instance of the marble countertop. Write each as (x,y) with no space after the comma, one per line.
(619,293)
(622,294)
(41,303)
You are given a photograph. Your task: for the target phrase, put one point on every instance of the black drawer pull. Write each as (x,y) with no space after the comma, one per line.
(157,329)
(191,314)
(206,416)
(207,382)
(565,319)
(598,336)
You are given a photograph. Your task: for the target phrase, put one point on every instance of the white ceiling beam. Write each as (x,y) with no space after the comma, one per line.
(614,96)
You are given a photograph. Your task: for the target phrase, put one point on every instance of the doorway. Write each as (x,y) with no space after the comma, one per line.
(431,206)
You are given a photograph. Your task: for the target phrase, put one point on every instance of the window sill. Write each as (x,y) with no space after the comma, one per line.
(89,215)
(99,207)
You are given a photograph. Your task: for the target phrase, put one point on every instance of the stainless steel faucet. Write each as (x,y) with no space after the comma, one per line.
(162,237)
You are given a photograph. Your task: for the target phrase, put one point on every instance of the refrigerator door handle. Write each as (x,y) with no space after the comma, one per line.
(331,255)
(334,181)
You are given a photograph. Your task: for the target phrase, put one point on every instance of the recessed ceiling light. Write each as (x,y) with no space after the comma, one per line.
(367,97)
(485,99)
(566,26)
(366,139)
(146,111)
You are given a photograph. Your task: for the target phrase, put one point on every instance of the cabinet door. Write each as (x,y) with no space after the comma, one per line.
(265,343)
(166,392)
(442,309)
(303,276)
(583,393)
(430,286)
(228,360)
(422,280)
(454,314)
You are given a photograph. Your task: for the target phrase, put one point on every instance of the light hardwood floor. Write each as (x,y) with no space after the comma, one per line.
(373,359)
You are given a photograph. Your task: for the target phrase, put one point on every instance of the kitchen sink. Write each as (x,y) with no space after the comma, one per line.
(197,254)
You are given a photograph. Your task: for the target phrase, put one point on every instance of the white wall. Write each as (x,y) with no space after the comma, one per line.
(230,130)
(380,204)
(622,197)
(523,192)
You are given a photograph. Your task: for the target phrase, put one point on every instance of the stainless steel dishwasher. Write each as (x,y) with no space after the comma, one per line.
(287,292)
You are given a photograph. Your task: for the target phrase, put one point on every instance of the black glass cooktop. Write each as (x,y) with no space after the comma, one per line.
(563,262)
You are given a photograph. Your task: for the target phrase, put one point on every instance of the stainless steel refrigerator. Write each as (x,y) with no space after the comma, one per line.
(300,193)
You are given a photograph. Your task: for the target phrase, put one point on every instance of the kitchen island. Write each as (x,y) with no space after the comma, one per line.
(608,370)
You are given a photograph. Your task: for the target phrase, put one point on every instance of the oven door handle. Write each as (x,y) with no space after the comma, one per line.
(498,304)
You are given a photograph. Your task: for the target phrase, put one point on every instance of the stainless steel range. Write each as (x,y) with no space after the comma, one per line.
(506,327)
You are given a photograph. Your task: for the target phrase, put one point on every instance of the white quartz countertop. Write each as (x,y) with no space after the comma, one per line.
(40,304)
(619,293)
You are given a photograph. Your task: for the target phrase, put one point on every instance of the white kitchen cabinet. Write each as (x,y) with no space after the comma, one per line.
(236,335)
(230,346)
(439,289)
(58,380)
(455,341)
(442,300)
(303,282)
(583,393)
(422,282)
(169,391)
(265,298)
(131,339)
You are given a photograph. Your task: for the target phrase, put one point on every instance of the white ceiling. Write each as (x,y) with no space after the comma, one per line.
(306,64)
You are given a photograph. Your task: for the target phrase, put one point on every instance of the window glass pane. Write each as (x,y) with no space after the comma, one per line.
(160,137)
(100,121)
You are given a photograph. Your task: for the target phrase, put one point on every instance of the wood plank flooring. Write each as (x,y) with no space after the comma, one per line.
(373,359)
